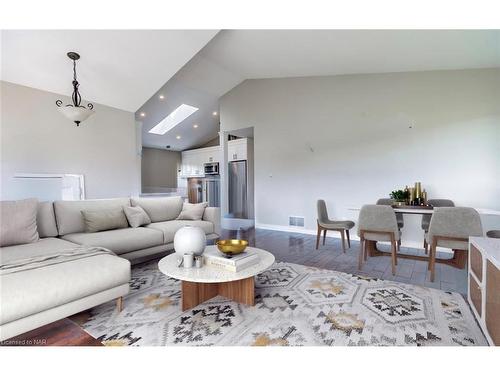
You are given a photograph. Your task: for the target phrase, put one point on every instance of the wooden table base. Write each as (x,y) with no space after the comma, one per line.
(242,291)
(459,259)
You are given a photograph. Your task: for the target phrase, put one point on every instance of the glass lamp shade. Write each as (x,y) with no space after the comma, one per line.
(76,114)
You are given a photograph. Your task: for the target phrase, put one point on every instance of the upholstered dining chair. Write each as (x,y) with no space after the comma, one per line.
(399,215)
(378,223)
(451,227)
(325,224)
(426,219)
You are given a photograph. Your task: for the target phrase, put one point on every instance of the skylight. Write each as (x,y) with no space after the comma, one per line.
(178,115)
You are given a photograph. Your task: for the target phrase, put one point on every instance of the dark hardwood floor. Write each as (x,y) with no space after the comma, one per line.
(63,332)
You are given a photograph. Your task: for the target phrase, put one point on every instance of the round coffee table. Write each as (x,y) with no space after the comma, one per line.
(201,284)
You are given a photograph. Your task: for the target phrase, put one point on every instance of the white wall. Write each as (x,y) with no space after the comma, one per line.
(36,138)
(346,139)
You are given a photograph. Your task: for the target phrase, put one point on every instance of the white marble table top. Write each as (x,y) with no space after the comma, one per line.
(421,211)
(207,274)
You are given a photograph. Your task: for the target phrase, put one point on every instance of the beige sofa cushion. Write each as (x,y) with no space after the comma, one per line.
(168,228)
(119,241)
(29,292)
(136,216)
(46,220)
(18,222)
(45,246)
(192,211)
(160,209)
(104,219)
(69,217)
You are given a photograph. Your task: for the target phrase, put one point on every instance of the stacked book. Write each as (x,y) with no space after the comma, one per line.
(214,258)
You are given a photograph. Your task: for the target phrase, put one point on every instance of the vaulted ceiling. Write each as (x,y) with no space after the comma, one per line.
(130,69)
(235,55)
(118,68)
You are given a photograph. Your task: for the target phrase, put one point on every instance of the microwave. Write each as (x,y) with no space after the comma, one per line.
(211,168)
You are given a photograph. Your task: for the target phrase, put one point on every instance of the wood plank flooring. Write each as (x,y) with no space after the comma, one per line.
(300,248)
(62,332)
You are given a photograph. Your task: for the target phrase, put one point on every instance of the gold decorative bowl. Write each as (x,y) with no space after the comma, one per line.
(231,247)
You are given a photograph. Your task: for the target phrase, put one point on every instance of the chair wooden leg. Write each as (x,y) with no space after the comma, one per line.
(119,304)
(393,257)
(432,262)
(348,239)
(342,236)
(324,236)
(318,237)
(361,253)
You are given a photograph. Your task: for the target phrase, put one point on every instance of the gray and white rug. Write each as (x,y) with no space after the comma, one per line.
(295,305)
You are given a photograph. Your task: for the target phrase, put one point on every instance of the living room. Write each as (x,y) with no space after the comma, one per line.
(236,187)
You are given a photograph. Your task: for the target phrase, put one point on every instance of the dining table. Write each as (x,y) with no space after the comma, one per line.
(459,259)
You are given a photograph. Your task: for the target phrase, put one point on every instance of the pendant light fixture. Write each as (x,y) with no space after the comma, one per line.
(75,112)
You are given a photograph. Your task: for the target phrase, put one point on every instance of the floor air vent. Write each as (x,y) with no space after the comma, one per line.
(296,221)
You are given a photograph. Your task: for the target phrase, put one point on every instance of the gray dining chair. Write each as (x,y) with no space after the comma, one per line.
(325,224)
(426,218)
(378,223)
(399,215)
(451,227)
(493,234)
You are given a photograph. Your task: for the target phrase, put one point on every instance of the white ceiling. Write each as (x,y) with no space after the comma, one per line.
(235,55)
(118,68)
(296,53)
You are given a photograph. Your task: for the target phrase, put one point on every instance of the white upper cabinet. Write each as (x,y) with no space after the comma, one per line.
(237,149)
(193,160)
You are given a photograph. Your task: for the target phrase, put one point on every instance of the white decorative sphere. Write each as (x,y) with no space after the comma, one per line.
(190,240)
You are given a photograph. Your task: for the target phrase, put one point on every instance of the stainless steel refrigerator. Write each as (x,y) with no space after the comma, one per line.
(237,189)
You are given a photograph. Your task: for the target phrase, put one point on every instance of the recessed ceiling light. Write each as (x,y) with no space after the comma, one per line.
(178,137)
(143,114)
(214,113)
(178,115)
(161,97)
(195,126)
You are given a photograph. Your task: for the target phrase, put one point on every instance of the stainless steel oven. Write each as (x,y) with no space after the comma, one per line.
(211,168)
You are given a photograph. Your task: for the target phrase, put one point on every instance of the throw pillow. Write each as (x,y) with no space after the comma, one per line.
(192,211)
(105,219)
(136,216)
(18,222)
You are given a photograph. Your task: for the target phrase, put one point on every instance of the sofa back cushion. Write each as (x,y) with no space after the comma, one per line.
(18,222)
(46,220)
(160,209)
(69,217)
(104,219)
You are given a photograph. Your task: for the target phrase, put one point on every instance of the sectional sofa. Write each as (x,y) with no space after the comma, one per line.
(36,296)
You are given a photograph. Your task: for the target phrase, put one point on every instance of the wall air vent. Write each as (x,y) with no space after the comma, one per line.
(296,221)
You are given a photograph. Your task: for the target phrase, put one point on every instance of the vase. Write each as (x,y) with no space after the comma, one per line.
(190,240)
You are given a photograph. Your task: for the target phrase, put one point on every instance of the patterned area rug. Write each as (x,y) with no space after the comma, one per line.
(295,305)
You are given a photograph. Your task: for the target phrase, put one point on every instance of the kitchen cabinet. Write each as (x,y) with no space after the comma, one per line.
(237,149)
(193,160)
(484,285)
